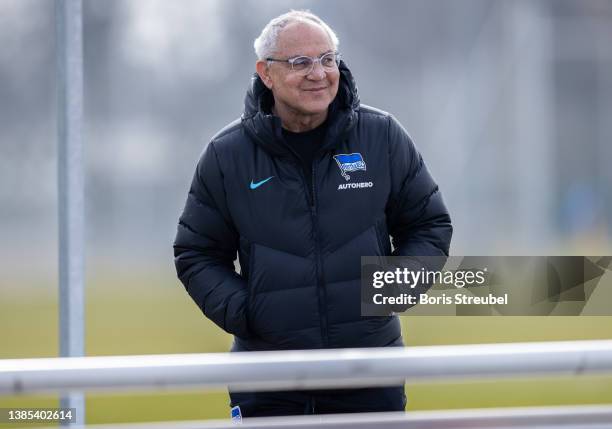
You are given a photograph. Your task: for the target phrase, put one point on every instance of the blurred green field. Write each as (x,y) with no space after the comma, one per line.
(152,314)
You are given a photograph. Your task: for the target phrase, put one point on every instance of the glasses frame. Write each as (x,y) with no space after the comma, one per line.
(313,60)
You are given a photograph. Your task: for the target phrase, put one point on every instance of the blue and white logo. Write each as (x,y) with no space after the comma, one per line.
(349,162)
(236,414)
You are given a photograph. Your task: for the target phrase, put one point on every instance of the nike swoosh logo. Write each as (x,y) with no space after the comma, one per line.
(258,184)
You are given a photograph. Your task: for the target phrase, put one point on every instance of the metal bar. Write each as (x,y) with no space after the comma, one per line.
(302,369)
(567,417)
(531,43)
(70,187)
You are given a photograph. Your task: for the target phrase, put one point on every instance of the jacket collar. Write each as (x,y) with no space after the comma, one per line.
(265,129)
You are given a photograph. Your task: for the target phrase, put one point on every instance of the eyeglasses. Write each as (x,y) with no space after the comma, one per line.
(304,64)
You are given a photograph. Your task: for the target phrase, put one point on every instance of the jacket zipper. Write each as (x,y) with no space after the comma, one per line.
(321,293)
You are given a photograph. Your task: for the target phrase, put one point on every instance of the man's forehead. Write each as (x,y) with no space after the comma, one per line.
(303,38)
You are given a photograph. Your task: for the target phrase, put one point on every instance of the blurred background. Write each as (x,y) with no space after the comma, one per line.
(510,104)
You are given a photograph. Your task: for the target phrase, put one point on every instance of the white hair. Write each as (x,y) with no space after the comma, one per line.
(265,44)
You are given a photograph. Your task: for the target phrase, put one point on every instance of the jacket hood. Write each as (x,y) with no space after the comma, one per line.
(266,129)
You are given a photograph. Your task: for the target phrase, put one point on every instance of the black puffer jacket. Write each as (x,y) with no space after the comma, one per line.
(299,246)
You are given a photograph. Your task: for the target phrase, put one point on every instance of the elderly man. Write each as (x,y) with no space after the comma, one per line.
(300,187)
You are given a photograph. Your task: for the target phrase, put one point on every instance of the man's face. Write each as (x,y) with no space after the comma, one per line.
(302,94)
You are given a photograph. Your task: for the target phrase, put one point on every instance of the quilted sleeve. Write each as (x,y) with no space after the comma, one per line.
(205,248)
(417,218)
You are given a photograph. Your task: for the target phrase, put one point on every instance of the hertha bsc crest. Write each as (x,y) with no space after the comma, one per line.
(349,162)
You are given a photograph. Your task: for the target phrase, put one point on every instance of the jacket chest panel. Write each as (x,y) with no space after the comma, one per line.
(269,199)
(269,203)
(348,207)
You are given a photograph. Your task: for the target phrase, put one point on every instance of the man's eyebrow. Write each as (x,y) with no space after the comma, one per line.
(303,55)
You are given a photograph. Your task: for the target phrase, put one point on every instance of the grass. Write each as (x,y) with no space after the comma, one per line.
(149,314)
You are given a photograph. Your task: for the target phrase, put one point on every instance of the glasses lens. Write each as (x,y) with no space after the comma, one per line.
(302,64)
(328,61)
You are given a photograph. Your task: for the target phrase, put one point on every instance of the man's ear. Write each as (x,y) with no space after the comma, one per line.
(263,71)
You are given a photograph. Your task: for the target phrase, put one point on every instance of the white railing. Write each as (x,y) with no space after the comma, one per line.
(305,368)
(568,417)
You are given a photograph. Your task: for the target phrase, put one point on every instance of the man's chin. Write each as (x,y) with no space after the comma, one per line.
(314,109)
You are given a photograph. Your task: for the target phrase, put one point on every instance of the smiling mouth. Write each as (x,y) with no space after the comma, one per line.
(315,89)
